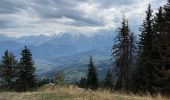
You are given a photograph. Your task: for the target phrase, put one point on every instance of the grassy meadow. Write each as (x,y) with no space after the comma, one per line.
(70,92)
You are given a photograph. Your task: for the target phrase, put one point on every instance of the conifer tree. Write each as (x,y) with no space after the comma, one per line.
(26,78)
(108,82)
(144,79)
(123,52)
(83,83)
(92,77)
(162,47)
(8,69)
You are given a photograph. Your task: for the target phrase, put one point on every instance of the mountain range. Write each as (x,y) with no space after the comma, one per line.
(66,52)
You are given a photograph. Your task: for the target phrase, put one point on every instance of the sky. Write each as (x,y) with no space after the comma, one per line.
(35,17)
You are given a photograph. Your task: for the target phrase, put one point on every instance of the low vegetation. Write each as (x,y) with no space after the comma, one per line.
(71,92)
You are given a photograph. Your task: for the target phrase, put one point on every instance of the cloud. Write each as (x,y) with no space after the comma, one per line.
(64,9)
(29,17)
(111,3)
(11,6)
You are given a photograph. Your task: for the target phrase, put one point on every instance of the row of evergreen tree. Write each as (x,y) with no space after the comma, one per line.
(144,65)
(139,66)
(17,75)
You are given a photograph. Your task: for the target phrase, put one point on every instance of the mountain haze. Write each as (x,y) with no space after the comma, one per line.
(65,52)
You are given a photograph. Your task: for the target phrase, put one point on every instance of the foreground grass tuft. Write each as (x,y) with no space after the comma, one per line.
(70,92)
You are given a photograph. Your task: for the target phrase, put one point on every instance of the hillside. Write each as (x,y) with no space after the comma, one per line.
(65,51)
(73,93)
(75,66)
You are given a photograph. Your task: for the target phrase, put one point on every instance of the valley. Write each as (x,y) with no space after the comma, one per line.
(64,52)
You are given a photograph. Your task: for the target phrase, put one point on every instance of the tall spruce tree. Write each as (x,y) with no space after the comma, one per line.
(162,47)
(26,80)
(8,70)
(92,77)
(123,51)
(145,70)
